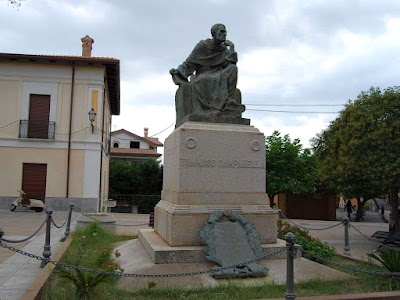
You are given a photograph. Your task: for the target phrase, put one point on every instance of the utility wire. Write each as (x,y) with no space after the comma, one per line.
(163,130)
(4,126)
(295,112)
(295,105)
(122,139)
(62,133)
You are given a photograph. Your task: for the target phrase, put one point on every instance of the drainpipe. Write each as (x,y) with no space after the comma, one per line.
(101,146)
(70,128)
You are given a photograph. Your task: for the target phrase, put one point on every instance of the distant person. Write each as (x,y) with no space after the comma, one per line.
(349,208)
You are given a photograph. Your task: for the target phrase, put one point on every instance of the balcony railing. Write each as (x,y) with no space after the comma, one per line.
(36,129)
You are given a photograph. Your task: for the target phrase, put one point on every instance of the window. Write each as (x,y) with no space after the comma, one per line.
(38,125)
(135,145)
(116,145)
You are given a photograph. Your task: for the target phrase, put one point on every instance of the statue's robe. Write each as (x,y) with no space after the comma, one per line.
(213,82)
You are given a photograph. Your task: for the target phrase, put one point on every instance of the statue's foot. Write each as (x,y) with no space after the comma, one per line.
(216,112)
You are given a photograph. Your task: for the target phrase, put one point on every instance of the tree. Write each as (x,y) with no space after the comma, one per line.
(290,168)
(359,151)
(135,177)
(15,3)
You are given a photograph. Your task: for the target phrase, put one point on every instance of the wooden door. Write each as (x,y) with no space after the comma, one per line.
(34,181)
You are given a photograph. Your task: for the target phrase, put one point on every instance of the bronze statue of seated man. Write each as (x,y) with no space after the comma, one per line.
(211,94)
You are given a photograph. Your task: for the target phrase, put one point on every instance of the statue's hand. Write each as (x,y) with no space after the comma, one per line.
(230,45)
(177,77)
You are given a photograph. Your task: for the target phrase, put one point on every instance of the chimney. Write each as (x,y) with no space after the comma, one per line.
(87,42)
(146,132)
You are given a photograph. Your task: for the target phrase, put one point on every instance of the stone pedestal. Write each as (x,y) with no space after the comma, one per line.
(106,221)
(210,167)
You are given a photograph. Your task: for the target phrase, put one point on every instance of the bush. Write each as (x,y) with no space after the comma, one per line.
(306,241)
(390,258)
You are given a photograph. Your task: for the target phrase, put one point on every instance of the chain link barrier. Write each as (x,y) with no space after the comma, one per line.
(350,268)
(121,274)
(335,225)
(59,226)
(370,239)
(209,271)
(280,213)
(25,239)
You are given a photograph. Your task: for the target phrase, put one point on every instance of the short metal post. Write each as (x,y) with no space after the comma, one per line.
(290,294)
(390,239)
(47,247)
(279,211)
(151,220)
(346,236)
(68,228)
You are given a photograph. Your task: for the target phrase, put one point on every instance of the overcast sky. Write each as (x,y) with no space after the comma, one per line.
(308,55)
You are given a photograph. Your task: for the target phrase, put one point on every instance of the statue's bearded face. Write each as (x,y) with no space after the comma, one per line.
(220,34)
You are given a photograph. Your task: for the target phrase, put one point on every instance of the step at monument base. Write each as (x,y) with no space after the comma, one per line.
(161,253)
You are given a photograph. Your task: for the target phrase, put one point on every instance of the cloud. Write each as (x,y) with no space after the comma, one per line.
(290,51)
(304,127)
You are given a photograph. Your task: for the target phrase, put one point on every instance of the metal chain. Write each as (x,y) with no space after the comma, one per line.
(64,265)
(325,228)
(61,226)
(120,274)
(350,226)
(350,268)
(21,252)
(368,238)
(25,239)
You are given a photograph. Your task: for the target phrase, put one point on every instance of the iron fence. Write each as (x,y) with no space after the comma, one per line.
(139,204)
(36,129)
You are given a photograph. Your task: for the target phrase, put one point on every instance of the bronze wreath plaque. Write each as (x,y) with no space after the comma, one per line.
(231,239)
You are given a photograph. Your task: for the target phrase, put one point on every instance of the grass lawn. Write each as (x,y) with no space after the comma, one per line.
(91,247)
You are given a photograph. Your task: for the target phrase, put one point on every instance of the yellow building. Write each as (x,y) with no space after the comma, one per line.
(48,146)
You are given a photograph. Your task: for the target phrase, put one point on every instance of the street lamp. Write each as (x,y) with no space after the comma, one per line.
(92,117)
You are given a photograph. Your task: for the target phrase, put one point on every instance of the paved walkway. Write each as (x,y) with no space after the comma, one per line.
(17,272)
(360,245)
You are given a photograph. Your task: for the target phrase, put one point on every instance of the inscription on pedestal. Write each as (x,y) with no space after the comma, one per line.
(221,163)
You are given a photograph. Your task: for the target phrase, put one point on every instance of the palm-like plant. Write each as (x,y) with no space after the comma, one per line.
(85,282)
(390,258)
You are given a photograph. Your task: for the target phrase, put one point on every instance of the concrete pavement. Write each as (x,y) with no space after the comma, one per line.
(18,272)
(359,244)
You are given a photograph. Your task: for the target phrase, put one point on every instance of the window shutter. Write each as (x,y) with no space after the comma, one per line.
(39,112)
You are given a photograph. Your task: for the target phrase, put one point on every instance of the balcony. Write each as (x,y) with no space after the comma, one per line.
(36,129)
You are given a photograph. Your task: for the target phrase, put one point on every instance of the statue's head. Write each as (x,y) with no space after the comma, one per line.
(218,32)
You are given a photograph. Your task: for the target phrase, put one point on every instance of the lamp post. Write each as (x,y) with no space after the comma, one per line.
(92,117)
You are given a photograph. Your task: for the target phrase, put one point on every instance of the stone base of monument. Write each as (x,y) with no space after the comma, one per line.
(179,225)
(134,259)
(229,118)
(207,168)
(161,253)
(210,167)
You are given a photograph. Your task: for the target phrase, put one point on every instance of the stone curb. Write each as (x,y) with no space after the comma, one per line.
(351,258)
(370,296)
(36,288)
